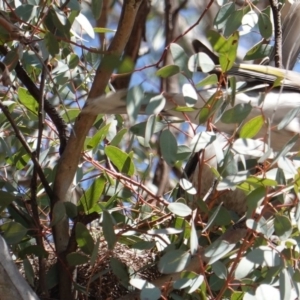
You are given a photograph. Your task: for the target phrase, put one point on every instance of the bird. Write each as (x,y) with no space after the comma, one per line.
(273,103)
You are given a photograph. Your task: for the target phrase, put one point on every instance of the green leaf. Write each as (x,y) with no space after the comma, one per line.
(168,230)
(288,118)
(29,273)
(75,259)
(26,12)
(217,250)
(182,283)
(103,30)
(13,232)
(155,105)
(174,261)
(150,292)
(52,277)
(227,48)
(187,186)
(195,284)
(183,152)
(118,137)
(134,100)
(149,130)
(108,230)
(168,71)
(85,24)
(144,245)
(71,210)
(189,94)
(201,60)
(74,5)
(84,239)
(194,244)
(283,226)
(90,198)
(95,253)
(252,127)
(255,198)
(234,22)
(51,43)
(120,270)
(98,137)
(120,159)
(72,60)
(201,140)
(237,114)
(285,285)
(266,291)
(258,51)
(179,209)
(36,250)
(6,199)
(180,59)
(58,213)
(96,7)
(219,269)
(223,14)
(27,100)
(262,256)
(168,146)
(210,107)
(209,80)
(237,296)
(140,128)
(265,23)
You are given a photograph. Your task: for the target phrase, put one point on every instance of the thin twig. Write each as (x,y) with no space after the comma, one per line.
(34,204)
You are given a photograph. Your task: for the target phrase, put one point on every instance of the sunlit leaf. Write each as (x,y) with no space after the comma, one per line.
(252,127)
(174,261)
(120,159)
(180,59)
(179,209)
(209,80)
(201,60)
(168,71)
(98,137)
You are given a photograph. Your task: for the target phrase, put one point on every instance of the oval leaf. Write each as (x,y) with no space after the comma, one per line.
(120,159)
(174,261)
(168,71)
(84,238)
(252,127)
(168,146)
(75,259)
(179,209)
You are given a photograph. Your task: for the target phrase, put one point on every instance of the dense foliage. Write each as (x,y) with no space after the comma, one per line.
(78,189)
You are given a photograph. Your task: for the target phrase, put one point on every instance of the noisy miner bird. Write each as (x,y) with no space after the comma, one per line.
(278,105)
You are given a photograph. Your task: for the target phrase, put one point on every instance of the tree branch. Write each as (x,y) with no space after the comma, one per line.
(68,163)
(278,33)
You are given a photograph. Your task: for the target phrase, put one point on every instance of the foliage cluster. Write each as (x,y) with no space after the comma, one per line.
(115,188)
